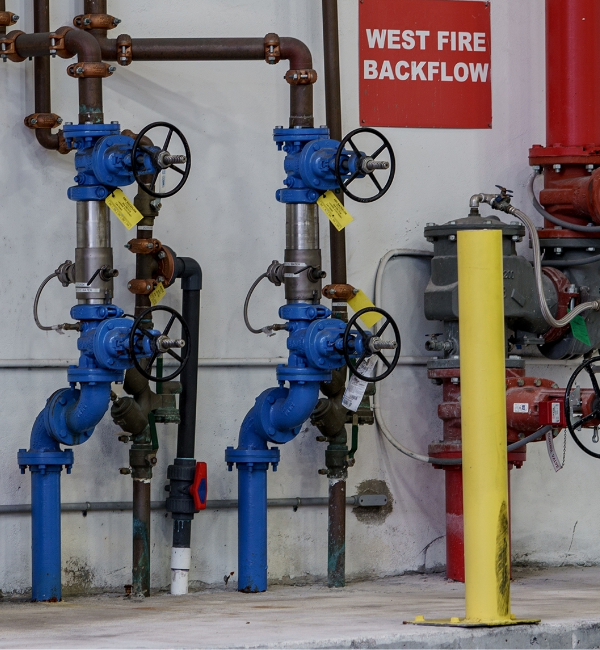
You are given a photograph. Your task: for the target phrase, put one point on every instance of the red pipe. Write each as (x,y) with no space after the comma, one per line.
(572,72)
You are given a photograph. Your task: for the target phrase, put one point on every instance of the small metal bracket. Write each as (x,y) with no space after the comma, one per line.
(95,21)
(8,18)
(371,500)
(42,121)
(8,49)
(57,43)
(301,77)
(272,49)
(89,69)
(124,49)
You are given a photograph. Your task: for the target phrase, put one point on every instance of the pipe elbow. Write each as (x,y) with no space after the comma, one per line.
(290,413)
(296,52)
(84,45)
(190,273)
(41,439)
(71,415)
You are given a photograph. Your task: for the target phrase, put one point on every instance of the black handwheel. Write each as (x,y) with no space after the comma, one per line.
(161,159)
(366,165)
(371,344)
(159,343)
(587,365)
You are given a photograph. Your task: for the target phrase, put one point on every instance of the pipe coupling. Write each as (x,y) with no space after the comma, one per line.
(90,69)
(8,49)
(301,77)
(96,21)
(272,49)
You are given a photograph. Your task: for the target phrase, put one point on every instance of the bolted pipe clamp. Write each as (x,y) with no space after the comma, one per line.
(42,121)
(124,51)
(272,49)
(8,49)
(90,69)
(95,21)
(8,18)
(142,287)
(57,43)
(301,77)
(339,291)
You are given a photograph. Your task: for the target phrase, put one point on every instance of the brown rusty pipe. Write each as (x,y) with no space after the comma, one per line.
(224,49)
(87,49)
(90,90)
(41,72)
(333,112)
(2,8)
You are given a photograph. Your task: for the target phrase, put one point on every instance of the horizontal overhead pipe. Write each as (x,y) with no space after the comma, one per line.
(225,504)
(224,49)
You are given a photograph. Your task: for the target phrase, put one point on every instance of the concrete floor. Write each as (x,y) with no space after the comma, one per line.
(363,615)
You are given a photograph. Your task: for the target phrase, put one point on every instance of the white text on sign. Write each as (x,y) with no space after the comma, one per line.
(396,39)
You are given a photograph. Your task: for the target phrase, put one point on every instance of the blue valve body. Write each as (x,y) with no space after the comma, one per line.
(103,160)
(309,163)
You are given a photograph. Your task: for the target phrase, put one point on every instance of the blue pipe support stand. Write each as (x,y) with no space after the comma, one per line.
(310,162)
(103,160)
(69,418)
(277,416)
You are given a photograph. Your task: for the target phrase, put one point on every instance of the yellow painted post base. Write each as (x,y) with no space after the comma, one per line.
(464,622)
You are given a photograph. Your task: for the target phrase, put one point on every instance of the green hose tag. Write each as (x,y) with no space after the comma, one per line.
(579,329)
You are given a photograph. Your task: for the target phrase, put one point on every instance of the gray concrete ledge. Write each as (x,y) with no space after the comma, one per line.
(365,614)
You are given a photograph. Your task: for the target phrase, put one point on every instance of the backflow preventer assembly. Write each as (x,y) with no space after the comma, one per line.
(116,348)
(552,305)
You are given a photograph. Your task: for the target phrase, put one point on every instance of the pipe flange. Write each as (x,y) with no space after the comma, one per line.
(57,43)
(42,121)
(272,49)
(124,49)
(8,18)
(90,69)
(8,48)
(95,21)
(301,77)
(36,460)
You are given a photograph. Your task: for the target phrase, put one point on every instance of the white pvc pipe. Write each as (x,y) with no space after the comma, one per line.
(181,559)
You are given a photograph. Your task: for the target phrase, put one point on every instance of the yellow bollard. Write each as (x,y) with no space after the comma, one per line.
(483,415)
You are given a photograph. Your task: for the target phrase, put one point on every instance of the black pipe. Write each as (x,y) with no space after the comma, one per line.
(181,474)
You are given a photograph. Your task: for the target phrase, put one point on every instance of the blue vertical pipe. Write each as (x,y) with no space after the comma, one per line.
(45,532)
(252,527)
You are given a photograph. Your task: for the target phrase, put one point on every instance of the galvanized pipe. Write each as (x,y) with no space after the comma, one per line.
(225,504)
(92,253)
(302,253)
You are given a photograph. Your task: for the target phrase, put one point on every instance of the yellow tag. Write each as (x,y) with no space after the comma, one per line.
(335,211)
(127,213)
(157,295)
(360,301)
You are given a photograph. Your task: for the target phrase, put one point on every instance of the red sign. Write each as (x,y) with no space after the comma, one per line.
(425,63)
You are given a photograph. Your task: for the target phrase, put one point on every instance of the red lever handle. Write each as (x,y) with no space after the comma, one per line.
(199,488)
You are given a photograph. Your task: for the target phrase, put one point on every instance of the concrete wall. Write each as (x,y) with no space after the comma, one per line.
(228,219)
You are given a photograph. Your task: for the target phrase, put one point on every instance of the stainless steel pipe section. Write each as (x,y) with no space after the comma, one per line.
(302,253)
(93,252)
